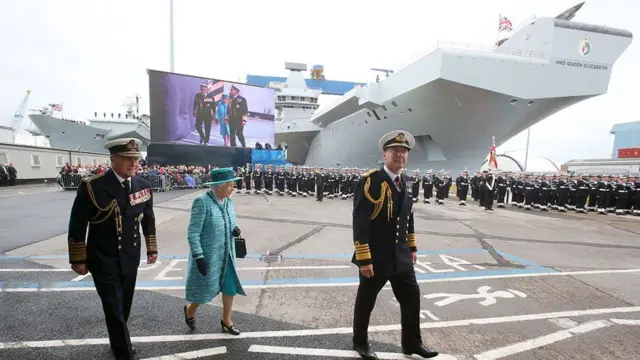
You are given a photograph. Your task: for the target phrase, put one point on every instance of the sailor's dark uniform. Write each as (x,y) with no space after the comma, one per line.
(238,112)
(384,235)
(204,115)
(384,238)
(114,216)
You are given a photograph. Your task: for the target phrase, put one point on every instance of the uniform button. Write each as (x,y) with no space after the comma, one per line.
(396,241)
(135,235)
(135,244)
(119,238)
(398,234)
(119,247)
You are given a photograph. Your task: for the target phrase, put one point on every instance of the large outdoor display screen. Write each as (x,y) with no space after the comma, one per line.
(204,111)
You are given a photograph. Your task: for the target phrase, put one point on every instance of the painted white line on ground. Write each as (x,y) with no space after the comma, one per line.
(626,321)
(310,267)
(303,285)
(330,352)
(320,332)
(564,323)
(192,354)
(542,340)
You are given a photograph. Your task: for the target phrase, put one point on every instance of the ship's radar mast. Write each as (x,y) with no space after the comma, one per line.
(131,103)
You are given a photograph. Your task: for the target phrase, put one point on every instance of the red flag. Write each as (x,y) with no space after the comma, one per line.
(493,157)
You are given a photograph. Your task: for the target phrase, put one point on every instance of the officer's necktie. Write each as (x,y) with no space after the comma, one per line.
(127,186)
(397,181)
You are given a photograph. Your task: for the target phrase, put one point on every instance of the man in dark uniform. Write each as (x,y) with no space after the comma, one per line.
(427,187)
(462,187)
(237,113)
(320,178)
(489,190)
(114,206)
(385,246)
(203,113)
(502,185)
(247,178)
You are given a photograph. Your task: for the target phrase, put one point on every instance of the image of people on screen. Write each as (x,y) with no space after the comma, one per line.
(200,111)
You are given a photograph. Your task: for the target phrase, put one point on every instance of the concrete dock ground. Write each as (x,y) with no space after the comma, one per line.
(506,284)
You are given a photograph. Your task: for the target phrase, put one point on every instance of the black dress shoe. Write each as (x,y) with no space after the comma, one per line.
(420,350)
(365,352)
(190,321)
(233,330)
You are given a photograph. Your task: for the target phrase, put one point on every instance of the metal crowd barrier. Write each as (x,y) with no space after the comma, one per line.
(158,182)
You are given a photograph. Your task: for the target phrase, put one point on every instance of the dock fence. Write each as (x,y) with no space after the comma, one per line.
(158,182)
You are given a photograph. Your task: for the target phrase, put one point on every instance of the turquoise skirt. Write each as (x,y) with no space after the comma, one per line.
(230,280)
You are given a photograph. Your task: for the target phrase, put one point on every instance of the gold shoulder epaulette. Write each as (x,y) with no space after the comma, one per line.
(368,173)
(91,178)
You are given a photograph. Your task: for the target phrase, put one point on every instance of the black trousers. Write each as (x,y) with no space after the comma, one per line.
(406,290)
(320,192)
(502,194)
(563,194)
(488,198)
(462,193)
(237,129)
(206,120)
(116,294)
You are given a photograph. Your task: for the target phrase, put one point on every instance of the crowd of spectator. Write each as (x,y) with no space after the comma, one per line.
(161,176)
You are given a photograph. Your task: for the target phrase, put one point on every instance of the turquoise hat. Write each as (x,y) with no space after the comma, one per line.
(221,176)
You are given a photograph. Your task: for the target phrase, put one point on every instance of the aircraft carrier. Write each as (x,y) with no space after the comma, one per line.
(91,134)
(455,98)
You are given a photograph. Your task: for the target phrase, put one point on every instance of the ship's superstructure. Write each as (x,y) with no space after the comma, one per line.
(455,98)
(90,134)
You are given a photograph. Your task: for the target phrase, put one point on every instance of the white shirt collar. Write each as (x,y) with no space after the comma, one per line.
(120,178)
(390,173)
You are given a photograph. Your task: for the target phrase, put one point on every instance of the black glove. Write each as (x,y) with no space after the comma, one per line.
(236,232)
(203,267)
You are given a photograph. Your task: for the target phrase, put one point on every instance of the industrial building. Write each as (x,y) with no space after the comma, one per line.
(625,155)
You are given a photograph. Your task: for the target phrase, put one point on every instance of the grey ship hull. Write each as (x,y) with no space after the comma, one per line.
(454,100)
(69,135)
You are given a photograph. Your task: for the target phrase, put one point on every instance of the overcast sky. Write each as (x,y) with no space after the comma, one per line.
(92,54)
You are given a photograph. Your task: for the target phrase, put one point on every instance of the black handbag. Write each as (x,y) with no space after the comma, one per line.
(241,247)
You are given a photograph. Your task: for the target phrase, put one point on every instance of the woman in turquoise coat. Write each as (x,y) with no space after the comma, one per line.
(212,262)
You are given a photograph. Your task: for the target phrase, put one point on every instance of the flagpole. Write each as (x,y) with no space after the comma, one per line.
(171,45)
(526,151)
(498,34)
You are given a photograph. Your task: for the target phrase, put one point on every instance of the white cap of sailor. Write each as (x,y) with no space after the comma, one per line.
(396,138)
(125,147)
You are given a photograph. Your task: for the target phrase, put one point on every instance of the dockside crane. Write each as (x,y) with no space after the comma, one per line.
(19,115)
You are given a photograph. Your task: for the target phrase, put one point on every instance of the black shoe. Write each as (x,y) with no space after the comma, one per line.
(233,330)
(191,322)
(420,350)
(365,352)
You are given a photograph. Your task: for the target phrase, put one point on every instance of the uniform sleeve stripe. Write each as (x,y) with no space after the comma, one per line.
(77,251)
(411,237)
(363,256)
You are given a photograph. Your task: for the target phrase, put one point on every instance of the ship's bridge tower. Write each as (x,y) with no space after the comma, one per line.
(295,102)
